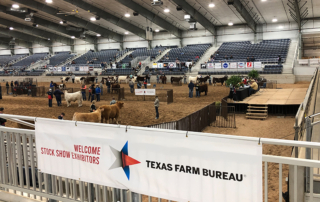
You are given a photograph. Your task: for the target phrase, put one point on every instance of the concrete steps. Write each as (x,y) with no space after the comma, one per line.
(257,112)
(122,57)
(288,65)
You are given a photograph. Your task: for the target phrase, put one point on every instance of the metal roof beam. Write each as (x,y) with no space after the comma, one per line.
(297,10)
(245,15)
(25,37)
(73,19)
(109,17)
(196,15)
(152,17)
(36,31)
(48,24)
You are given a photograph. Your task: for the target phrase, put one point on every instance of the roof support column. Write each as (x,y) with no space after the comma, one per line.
(11,49)
(72,48)
(50,50)
(301,51)
(180,41)
(95,45)
(149,44)
(121,45)
(30,50)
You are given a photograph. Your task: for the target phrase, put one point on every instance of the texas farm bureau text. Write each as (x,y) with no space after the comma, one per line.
(81,153)
(195,171)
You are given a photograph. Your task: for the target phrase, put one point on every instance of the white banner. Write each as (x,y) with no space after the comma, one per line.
(217,65)
(145,91)
(241,65)
(188,63)
(210,65)
(225,65)
(50,68)
(160,65)
(233,65)
(154,65)
(200,167)
(257,65)
(114,66)
(59,69)
(81,69)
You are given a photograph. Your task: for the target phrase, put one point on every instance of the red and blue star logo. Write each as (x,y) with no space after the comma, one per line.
(123,160)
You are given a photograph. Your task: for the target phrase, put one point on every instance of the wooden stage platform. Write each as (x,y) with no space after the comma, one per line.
(275,97)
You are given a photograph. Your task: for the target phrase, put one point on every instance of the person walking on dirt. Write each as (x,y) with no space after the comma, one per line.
(185,79)
(83,92)
(51,85)
(98,91)
(90,93)
(108,84)
(11,85)
(191,86)
(158,81)
(58,94)
(93,106)
(197,90)
(138,85)
(131,85)
(73,78)
(7,86)
(93,92)
(156,105)
(50,96)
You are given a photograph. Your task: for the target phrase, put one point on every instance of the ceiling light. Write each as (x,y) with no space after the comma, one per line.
(73,37)
(280,27)
(263,0)
(49,1)
(98,35)
(11,28)
(126,33)
(48,39)
(61,22)
(156,30)
(127,15)
(230,23)
(15,6)
(166,10)
(93,19)
(186,17)
(274,20)
(211,5)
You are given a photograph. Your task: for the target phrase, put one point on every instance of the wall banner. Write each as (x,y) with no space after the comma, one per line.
(145,91)
(225,65)
(233,65)
(249,64)
(217,65)
(257,65)
(241,65)
(210,65)
(159,163)
(154,65)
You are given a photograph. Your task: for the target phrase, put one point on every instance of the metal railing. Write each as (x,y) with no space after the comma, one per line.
(19,173)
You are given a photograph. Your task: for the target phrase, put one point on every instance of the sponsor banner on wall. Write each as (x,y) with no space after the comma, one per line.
(188,63)
(145,91)
(203,66)
(81,69)
(77,68)
(72,69)
(249,65)
(85,68)
(91,68)
(241,65)
(59,69)
(63,69)
(217,65)
(160,65)
(50,68)
(172,64)
(154,65)
(114,66)
(159,163)
(257,65)
(233,65)
(68,69)
(210,65)
(225,65)
(55,69)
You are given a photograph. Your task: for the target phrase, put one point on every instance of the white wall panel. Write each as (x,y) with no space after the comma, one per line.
(21,50)
(5,52)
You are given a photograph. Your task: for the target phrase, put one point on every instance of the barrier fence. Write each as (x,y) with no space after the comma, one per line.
(19,174)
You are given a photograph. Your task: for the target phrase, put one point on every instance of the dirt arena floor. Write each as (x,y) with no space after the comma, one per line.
(142,113)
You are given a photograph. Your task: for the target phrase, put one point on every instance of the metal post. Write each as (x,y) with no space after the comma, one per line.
(49,187)
(308,152)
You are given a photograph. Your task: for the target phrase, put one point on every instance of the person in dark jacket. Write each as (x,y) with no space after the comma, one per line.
(7,86)
(279,59)
(145,83)
(108,84)
(2,120)
(93,106)
(191,86)
(197,90)
(50,96)
(93,92)
(11,85)
(58,94)
(61,116)
(98,92)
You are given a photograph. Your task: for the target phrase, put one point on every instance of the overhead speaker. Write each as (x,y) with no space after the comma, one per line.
(230,2)
(179,8)
(135,13)
(97,17)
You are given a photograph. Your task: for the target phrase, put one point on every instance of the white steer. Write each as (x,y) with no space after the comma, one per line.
(122,78)
(73,97)
(193,79)
(79,79)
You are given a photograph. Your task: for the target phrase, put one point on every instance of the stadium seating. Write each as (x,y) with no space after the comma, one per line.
(5,59)
(118,72)
(153,53)
(186,54)
(60,57)
(101,56)
(268,69)
(172,71)
(266,51)
(29,60)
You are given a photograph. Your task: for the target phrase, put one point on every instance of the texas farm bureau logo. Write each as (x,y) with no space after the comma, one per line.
(225,65)
(241,65)
(123,160)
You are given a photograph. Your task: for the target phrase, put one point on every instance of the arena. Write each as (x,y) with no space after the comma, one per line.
(160,100)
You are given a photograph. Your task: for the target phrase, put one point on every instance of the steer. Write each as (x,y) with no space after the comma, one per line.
(111,112)
(203,88)
(72,97)
(94,117)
